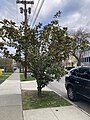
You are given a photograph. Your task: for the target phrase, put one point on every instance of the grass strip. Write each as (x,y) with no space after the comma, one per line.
(29,77)
(31,100)
(4,76)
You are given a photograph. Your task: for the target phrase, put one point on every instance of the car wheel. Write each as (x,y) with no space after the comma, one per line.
(71,94)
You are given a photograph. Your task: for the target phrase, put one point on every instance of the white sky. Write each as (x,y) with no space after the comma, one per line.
(75,13)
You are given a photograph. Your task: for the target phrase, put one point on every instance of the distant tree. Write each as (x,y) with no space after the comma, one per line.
(6,64)
(80,42)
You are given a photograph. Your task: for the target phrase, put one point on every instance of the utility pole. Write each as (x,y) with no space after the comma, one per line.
(25,11)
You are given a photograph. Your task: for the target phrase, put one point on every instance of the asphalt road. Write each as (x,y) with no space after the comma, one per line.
(59,87)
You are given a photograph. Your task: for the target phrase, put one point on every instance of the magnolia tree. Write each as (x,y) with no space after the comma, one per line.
(41,49)
(46,53)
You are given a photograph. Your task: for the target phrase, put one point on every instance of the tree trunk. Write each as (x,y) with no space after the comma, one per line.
(78,59)
(5,69)
(20,69)
(39,88)
(39,91)
(79,63)
(25,72)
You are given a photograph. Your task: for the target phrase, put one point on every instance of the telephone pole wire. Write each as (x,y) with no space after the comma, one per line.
(37,13)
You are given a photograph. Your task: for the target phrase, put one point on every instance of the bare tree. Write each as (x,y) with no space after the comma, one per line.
(80,43)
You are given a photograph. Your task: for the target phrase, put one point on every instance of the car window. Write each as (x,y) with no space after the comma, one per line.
(74,72)
(84,73)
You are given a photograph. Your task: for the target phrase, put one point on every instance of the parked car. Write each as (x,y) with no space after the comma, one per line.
(77,83)
(14,68)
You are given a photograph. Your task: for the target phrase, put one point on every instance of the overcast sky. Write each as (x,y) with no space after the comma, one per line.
(75,13)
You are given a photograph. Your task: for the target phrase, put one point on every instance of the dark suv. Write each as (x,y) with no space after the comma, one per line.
(77,83)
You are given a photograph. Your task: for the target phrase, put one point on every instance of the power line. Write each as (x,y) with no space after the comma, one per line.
(38,13)
(35,10)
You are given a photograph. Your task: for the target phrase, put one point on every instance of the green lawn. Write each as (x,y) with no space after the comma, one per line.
(29,78)
(4,76)
(30,100)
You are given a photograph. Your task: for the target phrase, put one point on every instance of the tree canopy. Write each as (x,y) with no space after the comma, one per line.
(41,49)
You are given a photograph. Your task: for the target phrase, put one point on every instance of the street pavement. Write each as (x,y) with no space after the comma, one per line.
(57,113)
(59,88)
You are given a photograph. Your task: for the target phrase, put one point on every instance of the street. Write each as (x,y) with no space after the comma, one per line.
(59,87)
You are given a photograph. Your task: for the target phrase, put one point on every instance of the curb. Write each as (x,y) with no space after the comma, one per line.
(72,103)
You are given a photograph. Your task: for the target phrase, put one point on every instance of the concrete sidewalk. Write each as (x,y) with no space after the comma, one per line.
(10,98)
(11,104)
(56,113)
